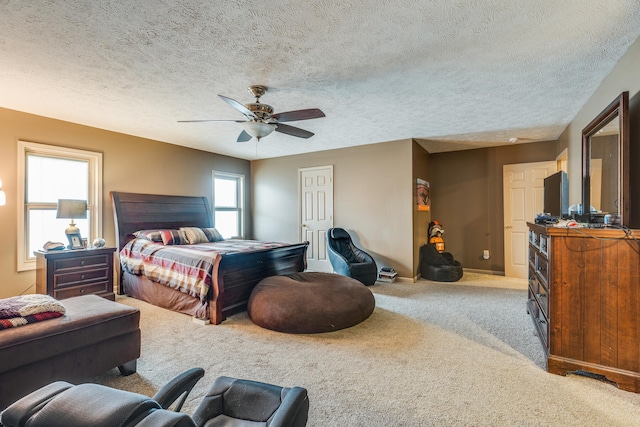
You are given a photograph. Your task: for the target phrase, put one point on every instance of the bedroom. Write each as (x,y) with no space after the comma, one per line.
(126,156)
(386,222)
(391,229)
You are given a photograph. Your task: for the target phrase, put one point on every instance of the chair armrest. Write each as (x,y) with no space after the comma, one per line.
(181,385)
(294,409)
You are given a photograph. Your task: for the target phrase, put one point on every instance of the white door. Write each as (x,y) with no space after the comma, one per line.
(316,214)
(523,189)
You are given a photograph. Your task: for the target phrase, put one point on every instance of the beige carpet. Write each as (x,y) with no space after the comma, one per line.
(431,354)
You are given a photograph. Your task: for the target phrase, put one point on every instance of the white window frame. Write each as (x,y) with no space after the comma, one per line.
(239,178)
(94,203)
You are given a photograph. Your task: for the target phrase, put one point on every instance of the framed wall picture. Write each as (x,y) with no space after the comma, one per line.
(423,195)
(75,241)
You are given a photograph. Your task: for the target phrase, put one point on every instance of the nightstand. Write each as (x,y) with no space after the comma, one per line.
(69,273)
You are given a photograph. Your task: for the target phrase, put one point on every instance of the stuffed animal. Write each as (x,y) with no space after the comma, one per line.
(435,235)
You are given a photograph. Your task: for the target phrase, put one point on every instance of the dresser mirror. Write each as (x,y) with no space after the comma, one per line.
(605,164)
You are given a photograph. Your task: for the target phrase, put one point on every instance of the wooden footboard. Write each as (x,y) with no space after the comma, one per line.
(239,273)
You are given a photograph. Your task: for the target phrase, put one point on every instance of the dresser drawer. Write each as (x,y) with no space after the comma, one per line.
(532,256)
(539,319)
(543,299)
(74,291)
(542,269)
(79,277)
(60,265)
(544,244)
(533,284)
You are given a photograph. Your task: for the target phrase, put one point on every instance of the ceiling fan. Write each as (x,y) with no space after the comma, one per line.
(260,120)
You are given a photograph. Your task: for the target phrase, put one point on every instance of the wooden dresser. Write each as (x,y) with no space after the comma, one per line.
(584,299)
(70,273)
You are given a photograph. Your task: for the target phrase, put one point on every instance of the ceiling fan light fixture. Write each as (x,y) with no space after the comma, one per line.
(259,129)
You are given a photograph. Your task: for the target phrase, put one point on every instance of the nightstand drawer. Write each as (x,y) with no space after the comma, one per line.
(69,273)
(74,291)
(79,277)
(60,265)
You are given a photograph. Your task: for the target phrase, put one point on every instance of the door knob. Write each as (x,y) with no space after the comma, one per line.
(509,226)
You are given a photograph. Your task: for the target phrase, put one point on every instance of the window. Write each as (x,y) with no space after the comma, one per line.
(227,204)
(45,174)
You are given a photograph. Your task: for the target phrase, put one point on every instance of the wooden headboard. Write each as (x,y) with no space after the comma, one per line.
(133,212)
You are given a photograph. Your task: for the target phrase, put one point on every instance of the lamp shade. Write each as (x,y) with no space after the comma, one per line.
(259,129)
(73,209)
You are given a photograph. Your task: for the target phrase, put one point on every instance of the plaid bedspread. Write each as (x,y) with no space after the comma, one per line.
(187,268)
(25,309)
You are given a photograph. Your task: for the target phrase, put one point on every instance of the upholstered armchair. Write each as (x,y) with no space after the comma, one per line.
(229,403)
(349,260)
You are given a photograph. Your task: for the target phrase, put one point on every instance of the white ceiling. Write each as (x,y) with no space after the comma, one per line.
(455,74)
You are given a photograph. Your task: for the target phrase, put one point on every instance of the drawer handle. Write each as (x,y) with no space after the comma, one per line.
(82,262)
(82,291)
(82,277)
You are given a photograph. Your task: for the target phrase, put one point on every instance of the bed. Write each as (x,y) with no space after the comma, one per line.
(233,275)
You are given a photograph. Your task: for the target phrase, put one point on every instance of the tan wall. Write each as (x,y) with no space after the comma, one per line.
(634,173)
(373,198)
(466,190)
(130,164)
(420,167)
(467,199)
(623,77)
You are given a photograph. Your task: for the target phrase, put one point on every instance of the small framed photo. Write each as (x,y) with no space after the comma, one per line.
(75,241)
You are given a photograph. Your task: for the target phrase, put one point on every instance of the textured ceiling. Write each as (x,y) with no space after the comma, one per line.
(453,74)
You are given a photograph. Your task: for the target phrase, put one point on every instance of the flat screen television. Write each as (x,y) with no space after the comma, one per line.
(556,195)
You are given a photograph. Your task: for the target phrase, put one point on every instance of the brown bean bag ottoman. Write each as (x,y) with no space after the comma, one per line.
(309,303)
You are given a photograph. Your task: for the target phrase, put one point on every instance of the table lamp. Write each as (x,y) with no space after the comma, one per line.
(74,209)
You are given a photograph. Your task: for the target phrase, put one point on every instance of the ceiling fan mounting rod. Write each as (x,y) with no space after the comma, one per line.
(258,91)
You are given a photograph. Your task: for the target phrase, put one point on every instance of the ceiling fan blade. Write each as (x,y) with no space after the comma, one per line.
(244,137)
(235,104)
(200,121)
(293,131)
(290,116)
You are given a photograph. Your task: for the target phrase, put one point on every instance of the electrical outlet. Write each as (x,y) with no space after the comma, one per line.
(486,255)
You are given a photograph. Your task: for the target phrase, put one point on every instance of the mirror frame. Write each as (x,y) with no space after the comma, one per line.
(619,107)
